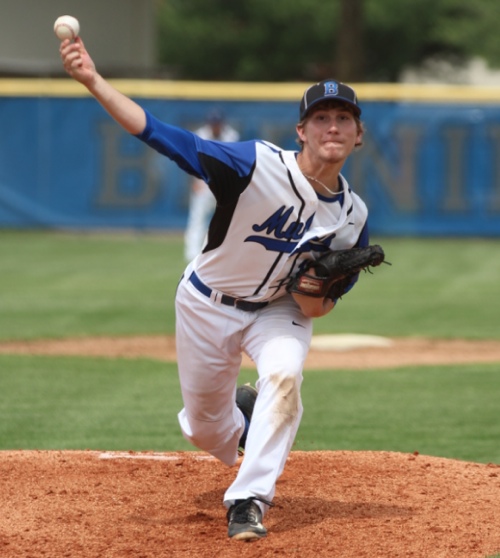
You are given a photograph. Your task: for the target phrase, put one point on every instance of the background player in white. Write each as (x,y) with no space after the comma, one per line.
(201,199)
(276,209)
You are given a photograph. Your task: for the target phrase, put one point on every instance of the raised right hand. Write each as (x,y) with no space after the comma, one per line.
(77,62)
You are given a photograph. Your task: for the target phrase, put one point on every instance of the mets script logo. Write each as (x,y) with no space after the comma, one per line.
(279,234)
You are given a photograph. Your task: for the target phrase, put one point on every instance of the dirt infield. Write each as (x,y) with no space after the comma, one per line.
(335,504)
(87,504)
(401,352)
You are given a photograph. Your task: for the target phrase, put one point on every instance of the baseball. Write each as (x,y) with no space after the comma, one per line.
(66,27)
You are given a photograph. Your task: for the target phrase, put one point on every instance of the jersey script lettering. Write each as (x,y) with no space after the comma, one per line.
(280,237)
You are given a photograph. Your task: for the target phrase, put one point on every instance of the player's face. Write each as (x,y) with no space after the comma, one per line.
(216,128)
(330,133)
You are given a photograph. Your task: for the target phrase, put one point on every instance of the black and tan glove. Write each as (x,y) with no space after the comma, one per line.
(334,271)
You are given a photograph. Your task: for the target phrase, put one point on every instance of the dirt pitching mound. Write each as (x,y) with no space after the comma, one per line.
(342,504)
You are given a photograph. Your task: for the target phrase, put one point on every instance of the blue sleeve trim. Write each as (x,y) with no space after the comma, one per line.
(364,238)
(363,242)
(184,147)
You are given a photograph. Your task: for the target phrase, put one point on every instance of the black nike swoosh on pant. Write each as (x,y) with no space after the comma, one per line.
(295,323)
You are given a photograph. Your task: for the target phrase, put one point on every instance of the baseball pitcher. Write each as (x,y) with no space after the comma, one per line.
(287,240)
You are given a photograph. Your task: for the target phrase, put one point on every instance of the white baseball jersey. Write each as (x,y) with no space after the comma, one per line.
(268,217)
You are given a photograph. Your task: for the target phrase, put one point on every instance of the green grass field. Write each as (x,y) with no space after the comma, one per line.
(106,404)
(60,285)
(63,285)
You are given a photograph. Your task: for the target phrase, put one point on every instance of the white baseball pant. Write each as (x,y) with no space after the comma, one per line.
(210,338)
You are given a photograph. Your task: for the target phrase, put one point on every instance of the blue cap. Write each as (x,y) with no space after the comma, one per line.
(215,116)
(328,90)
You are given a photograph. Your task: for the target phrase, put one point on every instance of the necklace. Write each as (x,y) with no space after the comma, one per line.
(322,184)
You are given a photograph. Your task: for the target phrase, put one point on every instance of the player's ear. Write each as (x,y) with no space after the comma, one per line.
(361,133)
(300,131)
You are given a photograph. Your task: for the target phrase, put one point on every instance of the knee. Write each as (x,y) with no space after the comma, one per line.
(285,386)
(203,435)
(207,435)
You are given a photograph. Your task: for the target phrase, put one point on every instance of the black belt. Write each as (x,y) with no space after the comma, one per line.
(244,305)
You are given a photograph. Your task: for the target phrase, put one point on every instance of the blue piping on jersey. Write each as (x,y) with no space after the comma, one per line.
(287,247)
(273,244)
(338,198)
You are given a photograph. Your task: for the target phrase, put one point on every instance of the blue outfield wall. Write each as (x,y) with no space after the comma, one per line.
(427,167)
